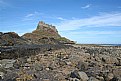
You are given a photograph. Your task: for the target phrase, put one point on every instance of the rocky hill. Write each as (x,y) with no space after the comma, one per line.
(10,39)
(44,34)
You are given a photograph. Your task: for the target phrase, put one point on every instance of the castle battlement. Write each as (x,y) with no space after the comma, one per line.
(43,25)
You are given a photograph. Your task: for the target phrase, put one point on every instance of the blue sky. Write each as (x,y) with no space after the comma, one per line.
(84,21)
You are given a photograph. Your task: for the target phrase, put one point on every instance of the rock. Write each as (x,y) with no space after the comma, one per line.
(119,61)
(92,79)
(83,76)
(10,39)
(38,67)
(117,72)
(47,69)
(1,75)
(75,74)
(73,79)
(45,34)
(115,79)
(79,75)
(7,63)
(45,80)
(110,76)
(100,78)
(109,60)
(29,60)
(82,66)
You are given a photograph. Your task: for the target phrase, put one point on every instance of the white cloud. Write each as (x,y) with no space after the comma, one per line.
(111,19)
(60,18)
(91,36)
(31,16)
(96,32)
(86,6)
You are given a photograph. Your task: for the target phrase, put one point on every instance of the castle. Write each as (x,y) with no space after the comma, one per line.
(43,26)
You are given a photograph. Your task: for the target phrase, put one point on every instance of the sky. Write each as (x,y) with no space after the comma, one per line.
(83,21)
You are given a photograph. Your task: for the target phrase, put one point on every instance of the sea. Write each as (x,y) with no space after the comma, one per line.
(109,44)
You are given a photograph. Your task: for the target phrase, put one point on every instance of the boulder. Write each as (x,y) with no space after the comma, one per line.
(92,79)
(109,60)
(79,75)
(110,76)
(1,75)
(83,76)
(82,66)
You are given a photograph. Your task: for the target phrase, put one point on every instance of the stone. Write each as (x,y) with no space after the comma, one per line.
(74,79)
(82,66)
(119,61)
(1,75)
(10,39)
(83,76)
(45,80)
(38,67)
(110,76)
(100,78)
(47,69)
(75,74)
(79,75)
(115,79)
(109,60)
(7,63)
(92,79)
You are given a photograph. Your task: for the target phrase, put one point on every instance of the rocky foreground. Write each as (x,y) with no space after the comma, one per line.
(60,63)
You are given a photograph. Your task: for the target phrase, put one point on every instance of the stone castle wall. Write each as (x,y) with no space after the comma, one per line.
(42,25)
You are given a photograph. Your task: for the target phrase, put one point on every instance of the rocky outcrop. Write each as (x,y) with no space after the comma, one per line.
(43,30)
(10,39)
(45,33)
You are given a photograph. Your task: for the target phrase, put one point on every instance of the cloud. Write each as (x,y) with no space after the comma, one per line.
(96,32)
(86,6)
(91,36)
(31,16)
(60,18)
(109,19)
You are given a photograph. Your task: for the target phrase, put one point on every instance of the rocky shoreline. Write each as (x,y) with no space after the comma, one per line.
(60,63)
(43,55)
